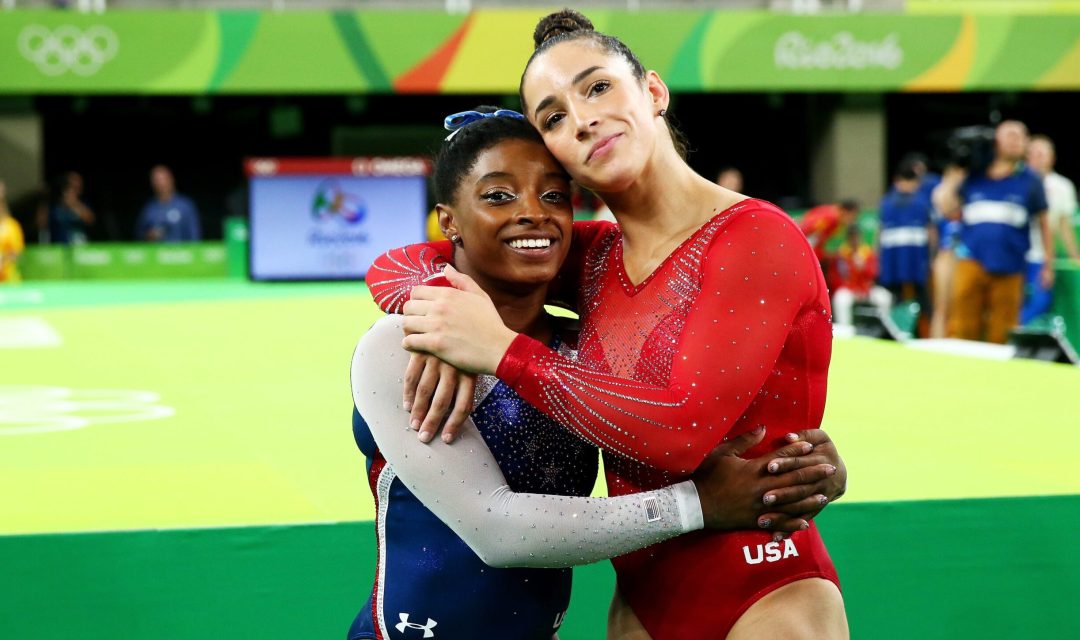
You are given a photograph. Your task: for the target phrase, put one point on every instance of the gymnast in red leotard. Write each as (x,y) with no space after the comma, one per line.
(704,314)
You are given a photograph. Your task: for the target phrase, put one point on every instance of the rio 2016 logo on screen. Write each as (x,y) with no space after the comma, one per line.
(330,201)
(328,218)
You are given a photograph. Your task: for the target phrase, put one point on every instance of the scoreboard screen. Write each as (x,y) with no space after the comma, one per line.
(328,218)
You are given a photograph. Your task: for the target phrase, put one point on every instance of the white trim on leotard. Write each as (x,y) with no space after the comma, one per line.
(382,490)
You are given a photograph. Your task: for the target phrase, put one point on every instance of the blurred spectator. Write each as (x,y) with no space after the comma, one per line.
(905,236)
(824,223)
(583,201)
(11,240)
(168,216)
(928,180)
(855,269)
(1061,206)
(69,217)
(1060,193)
(998,207)
(587,206)
(730,178)
(943,262)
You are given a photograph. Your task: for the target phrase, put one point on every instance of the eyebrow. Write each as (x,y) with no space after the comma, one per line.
(576,79)
(561,175)
(495,174)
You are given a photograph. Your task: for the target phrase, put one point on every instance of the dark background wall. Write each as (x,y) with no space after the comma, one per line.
(114,140)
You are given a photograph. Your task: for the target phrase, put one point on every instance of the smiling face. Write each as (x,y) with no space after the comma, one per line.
(512,212)
(598,119)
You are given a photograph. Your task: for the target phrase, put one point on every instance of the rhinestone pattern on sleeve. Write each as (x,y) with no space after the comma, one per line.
(731,331)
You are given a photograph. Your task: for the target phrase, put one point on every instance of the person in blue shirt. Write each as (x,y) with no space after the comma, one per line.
(997,207)
(906,234)
(68,218)
(168,216)
(948,230)
(943,259)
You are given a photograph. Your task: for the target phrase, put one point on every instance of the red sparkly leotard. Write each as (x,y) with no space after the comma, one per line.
(731,331)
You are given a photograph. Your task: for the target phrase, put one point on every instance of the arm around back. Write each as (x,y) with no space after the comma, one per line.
(462,484)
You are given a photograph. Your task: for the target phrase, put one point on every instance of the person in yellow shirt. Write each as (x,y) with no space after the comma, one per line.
(11,240)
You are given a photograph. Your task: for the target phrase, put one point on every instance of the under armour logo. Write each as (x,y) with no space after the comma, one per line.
(559,617)
(405,624)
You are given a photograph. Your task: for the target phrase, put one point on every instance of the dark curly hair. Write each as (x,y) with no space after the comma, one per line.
(568,25)
(458,155)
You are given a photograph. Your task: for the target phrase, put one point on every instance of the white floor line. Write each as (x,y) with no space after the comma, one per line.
(27,332)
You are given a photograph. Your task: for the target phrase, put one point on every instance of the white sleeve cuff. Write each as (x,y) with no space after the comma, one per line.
(686,496)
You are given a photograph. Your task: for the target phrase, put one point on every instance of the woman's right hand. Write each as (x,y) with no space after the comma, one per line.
(434,391)
(460,324)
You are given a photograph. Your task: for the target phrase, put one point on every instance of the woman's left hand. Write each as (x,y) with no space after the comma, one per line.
(824,451)
(793,501)
(460,325)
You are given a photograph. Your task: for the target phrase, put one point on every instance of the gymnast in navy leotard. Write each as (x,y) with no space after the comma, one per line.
(427,575)
(443,569)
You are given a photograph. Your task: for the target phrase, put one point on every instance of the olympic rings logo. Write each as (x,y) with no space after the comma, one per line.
(68,48)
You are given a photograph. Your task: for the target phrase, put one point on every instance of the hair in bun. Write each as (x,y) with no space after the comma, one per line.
(568,25)
(556,24)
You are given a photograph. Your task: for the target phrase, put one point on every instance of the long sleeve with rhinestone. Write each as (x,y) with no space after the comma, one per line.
(759,282)
(463,485)
(394,273)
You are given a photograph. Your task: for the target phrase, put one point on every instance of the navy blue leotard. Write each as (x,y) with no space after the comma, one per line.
(429,583)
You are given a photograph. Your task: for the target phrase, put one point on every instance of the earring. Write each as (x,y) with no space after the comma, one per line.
(455,239)
(663,112)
